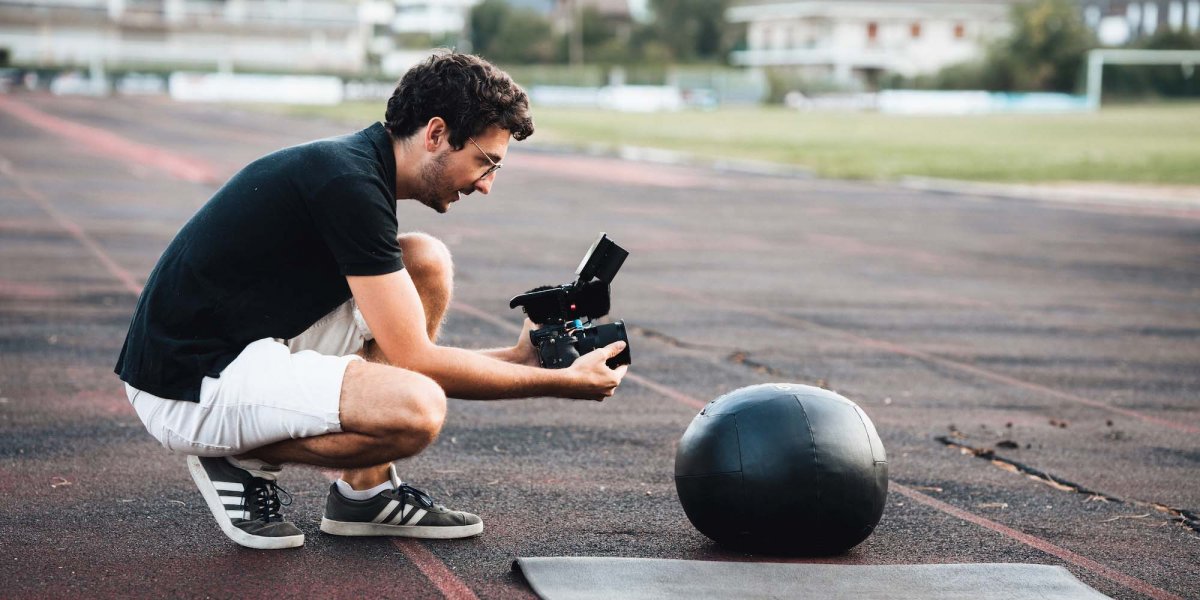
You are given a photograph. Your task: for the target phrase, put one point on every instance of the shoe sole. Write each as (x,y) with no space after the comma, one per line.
(427,532)
(213,500)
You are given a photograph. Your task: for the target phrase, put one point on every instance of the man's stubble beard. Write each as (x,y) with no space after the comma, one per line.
(431,193)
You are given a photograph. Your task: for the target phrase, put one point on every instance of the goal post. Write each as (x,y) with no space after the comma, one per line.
(1098,58)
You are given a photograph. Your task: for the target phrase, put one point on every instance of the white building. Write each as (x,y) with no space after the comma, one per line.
(1118,22)
(434,17)
(329,36)
(851,42)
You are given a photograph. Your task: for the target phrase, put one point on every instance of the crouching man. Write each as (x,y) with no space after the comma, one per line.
(289,321)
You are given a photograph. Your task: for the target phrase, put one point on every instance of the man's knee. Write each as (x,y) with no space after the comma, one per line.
(417,410)
(425,255)
(397,405)
(429,412)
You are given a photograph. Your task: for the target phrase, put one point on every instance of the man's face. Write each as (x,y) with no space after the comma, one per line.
(449,174)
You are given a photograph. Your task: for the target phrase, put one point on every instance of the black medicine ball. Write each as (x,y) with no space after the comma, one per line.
(782,468)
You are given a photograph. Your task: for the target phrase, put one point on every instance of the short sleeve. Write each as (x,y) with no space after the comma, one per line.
(356,217)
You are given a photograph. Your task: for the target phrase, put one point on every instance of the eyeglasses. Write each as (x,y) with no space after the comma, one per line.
(495,165)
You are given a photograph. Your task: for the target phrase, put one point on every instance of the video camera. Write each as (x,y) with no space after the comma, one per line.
(564,313)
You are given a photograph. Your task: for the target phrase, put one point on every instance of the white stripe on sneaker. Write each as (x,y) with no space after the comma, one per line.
(236,514)
(229,486)
(387,510)
(233,500)
(416,517)
(392,518)
(400,515)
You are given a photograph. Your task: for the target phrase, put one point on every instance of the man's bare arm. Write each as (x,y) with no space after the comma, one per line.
(522,353)
(393,311)
(508,355)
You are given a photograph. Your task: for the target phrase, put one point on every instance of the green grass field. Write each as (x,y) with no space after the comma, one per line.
(1158,144)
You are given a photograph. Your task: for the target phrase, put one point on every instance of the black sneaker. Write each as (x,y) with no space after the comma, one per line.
(401,511)
(246,504)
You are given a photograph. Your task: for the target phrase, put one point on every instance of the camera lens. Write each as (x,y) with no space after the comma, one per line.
(607,334)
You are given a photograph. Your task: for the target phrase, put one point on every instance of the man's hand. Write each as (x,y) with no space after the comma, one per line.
(393,311)
(523,353)
(591,377)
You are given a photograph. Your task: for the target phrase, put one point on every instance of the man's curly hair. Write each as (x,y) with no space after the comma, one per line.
(469,93)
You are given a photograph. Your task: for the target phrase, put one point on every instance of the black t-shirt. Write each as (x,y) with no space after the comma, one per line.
(266,257)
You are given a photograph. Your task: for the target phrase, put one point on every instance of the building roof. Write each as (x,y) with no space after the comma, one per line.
(757,10)
(740,3)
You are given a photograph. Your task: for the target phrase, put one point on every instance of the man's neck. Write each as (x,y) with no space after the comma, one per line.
(408,167)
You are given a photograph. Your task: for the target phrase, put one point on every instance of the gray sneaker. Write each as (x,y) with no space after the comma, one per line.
(401,511)
(245,503)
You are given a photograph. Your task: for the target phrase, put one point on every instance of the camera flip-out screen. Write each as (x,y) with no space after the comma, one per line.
(602,260)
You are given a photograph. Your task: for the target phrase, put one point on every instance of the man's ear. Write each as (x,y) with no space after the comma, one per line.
(436,133)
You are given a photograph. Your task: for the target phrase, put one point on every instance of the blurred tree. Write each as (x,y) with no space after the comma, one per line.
(487,18)
(963,76)
(603,40)
(597,30)
(690,30)
(526,37)
(1046,50)
(504,34)
(683,31)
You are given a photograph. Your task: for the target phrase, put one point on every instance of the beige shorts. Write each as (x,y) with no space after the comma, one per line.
(274,390)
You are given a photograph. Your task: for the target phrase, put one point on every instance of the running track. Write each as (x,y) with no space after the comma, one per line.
(939,314)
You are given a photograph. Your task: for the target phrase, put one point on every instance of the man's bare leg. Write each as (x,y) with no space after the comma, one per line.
(386,412)
(429,265)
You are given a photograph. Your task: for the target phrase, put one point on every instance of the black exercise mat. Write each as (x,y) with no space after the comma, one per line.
(580,578)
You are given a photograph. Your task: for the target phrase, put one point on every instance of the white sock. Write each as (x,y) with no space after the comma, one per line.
(353,494)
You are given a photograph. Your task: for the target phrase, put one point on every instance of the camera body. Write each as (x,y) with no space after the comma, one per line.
(559,346)
(564,313)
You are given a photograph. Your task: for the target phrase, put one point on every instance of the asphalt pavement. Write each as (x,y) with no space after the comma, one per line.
(1032,367)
